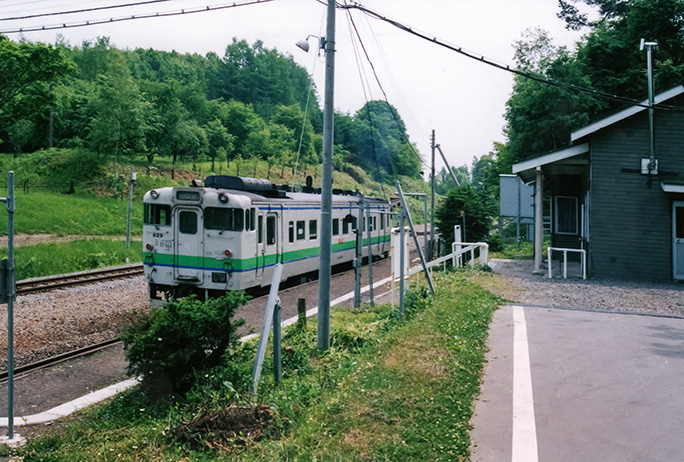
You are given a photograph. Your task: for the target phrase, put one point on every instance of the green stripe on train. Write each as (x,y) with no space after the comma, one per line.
(245,264)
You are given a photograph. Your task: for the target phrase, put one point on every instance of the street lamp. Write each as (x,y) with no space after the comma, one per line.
(326,186)
(304,44)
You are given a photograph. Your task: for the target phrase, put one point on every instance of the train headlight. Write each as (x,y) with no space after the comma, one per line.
(228,253)
(154,194)
(148,246)
(223,198)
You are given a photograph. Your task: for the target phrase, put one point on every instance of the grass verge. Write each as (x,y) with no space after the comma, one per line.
(386,390)
(69,257)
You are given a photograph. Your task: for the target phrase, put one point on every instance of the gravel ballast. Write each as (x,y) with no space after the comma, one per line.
(513,280)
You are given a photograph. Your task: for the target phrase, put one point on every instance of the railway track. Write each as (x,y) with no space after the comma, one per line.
(69,280)
(53,360)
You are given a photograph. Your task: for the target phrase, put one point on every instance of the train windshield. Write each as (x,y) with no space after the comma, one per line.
(224,219)
(157,214)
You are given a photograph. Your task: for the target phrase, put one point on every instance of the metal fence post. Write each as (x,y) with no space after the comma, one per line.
(11,294)
(402,249)
(277,359)
(268,319)
(358,261)
(369,223)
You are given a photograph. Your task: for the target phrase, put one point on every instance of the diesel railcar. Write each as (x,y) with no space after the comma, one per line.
(229,232)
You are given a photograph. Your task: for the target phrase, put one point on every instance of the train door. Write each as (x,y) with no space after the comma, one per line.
(188,244)
(267,242)
(260,247)
(678,239)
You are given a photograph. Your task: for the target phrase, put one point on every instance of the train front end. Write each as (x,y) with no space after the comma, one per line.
(192,241)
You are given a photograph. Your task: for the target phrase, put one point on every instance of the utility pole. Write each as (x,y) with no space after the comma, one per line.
(130,206)
(652,165)
(324,271)
(431,251)
(51,137)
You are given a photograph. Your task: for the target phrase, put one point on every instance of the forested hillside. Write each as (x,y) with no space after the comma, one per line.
(540,116)
(250,103)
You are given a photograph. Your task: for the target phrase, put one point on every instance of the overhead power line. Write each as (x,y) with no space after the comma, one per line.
(391,108)
(505,67)
(83,10)
(96,22)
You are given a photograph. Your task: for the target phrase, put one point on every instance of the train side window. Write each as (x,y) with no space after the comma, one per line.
(313,229)
(157,214)
(301,233)
(260,229)
(270,230)
(375,223)
(249,219)
(382,221)
(336,226)
(291,231)
(187,222)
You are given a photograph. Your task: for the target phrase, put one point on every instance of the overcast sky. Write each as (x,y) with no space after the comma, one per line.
(433,88)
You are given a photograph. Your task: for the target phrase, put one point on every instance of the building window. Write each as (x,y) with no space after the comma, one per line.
(566,215)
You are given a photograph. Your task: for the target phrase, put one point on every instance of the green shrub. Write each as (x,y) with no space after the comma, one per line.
(183,337)
(496,242)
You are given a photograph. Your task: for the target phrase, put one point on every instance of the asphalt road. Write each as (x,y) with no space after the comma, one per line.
(565,385)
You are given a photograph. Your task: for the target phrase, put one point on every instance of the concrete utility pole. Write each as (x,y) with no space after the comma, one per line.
(539,221)
(50,136)
(326,186)
(650,46)
(130,206)
(431,251)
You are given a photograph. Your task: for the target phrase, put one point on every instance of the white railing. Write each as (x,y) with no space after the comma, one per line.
(583,257)
(456,256)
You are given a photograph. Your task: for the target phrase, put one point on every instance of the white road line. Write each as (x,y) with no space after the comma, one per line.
(524,427)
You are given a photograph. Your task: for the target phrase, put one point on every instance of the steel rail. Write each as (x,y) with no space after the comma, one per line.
(57,282)
(53,360)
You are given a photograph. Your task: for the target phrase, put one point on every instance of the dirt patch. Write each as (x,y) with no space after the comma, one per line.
(226,429)
(421,359)
(33,239)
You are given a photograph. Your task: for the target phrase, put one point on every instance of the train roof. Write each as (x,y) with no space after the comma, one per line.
(258,189)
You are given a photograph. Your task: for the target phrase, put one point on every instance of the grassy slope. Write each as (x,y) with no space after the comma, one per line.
(411,397)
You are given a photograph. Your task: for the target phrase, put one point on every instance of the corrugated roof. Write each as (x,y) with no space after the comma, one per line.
(617,117)
(550,158)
